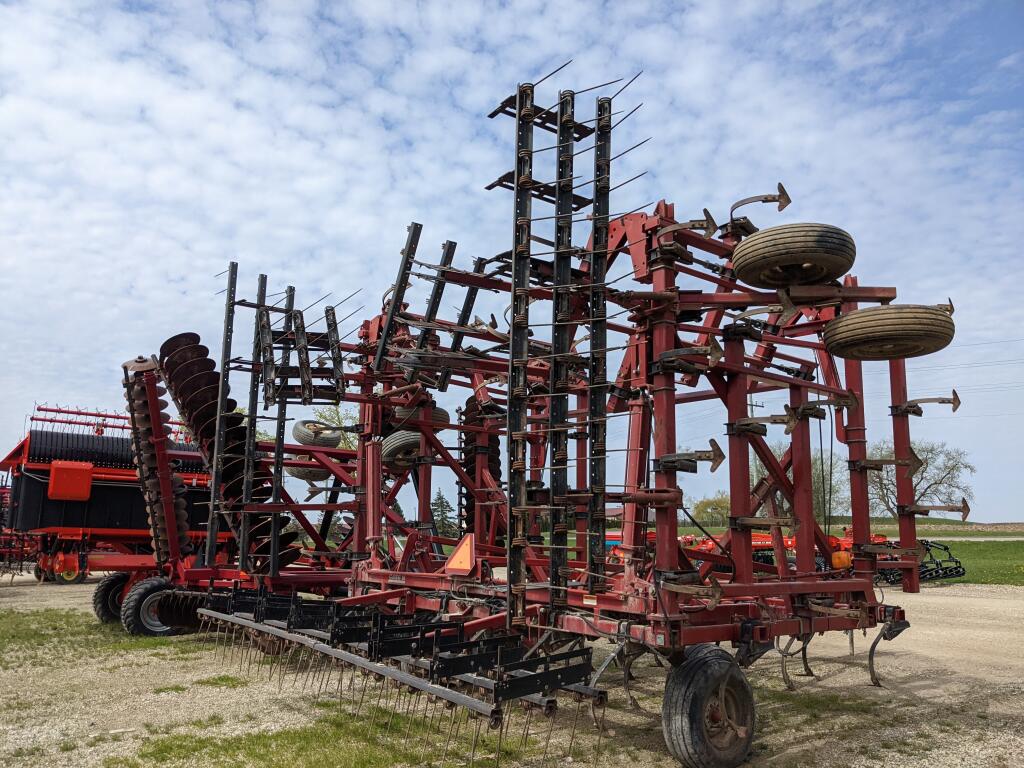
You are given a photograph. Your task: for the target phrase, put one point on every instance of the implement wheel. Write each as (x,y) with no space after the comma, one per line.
(889,332)
(106,599)
(69,572)
(400,449)
(794,254)
(309,474)
(139,615)
(310,432)
(708,711)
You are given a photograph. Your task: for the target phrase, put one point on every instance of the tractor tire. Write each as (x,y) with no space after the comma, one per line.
(794,254)
(309,474)
(39,573)
(690,652)
(702,731)
(402,415)
(310,432)
(106,598)
(401,449)
(138,611)
(889,332)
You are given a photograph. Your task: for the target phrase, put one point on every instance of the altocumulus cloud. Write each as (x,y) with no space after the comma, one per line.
(142,145)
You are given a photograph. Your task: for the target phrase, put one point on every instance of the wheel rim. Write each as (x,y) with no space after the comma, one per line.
(114,600)
(724,716)
(148,613)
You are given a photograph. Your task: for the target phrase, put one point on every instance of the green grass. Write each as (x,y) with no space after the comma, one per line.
(336,739)
(43,637)
(991,562)
(170,689)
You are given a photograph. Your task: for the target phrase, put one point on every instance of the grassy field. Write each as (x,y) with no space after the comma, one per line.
(991,562)
(938,528)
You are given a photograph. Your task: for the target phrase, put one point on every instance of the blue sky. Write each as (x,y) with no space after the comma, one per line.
(143,145)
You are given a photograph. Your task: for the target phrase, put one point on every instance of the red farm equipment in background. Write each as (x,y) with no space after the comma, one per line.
(74,504)
(504,612)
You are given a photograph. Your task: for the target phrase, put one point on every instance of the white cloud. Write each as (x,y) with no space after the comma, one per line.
(139,151)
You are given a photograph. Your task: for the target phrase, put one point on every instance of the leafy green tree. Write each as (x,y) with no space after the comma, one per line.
(944,477)
(712,510)
(444,515)
(337,416)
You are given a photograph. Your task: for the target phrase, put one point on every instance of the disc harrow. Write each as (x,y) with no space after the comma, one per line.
(150,423)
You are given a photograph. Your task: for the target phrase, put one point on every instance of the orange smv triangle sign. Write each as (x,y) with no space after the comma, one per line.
(462,560)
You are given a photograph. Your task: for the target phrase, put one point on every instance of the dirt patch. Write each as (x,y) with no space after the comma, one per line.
(953,697)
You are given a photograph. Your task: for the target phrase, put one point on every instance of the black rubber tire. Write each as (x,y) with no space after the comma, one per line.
(889,332)
(106,598)
(403,415)
(400,449)
(690,652)
(689,706)
(794,254)
(311,432)
(309,474)
(137,614)
(39,573)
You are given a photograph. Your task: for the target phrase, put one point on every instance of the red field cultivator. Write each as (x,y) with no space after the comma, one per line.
(504,612)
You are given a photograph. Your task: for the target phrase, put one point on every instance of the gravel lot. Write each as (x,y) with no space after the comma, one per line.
(953,695)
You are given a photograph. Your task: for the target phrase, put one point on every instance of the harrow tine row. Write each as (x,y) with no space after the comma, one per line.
(528,679)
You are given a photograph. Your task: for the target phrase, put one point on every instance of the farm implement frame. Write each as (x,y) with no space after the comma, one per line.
(505,611)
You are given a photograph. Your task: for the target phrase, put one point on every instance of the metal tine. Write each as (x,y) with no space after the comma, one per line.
(309,669)
(476,740)
(414,705)
(325,677)
(632,80)
(625,152)
(285,657)
(627,181)
(274,660)
(526,728)
(602,85)
(395,706)
(362,695)
(600,734)
(547,741)
(575,721)
(448,741)
(313,673)
(247,649)
(458,722)
(326,295)
(629,114)
(585,216)
(553,72)
(380,693)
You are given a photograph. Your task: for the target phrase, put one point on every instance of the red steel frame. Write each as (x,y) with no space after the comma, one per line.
(750,602)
